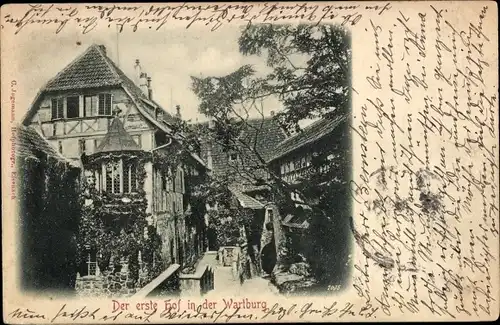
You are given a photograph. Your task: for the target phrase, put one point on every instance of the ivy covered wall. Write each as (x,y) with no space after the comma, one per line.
(114,226)
(49,213)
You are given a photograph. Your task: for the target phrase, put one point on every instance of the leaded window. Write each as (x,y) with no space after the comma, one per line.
(105,104)
(121,177)
(57,108)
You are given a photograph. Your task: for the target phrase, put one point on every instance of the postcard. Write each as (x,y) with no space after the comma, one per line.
(250,162)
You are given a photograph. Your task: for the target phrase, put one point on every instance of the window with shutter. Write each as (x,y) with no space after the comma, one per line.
(73,106)
(90,105)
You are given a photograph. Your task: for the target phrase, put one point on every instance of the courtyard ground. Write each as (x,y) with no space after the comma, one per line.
(226,285)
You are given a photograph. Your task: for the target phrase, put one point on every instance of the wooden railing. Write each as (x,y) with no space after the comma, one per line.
(166,284)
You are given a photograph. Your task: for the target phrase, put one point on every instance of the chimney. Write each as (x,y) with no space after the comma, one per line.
(178,114)
(143,83)
(209,159)
(138,72)
(211,124)
(150,90)
(103,49)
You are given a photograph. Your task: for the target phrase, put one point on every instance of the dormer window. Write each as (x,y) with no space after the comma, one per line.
(233,157)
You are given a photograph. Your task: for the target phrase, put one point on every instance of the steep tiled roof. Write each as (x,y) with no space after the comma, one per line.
(308,135)
(29,142)
(267,133)
(95,69)
(117,139)
(89,70)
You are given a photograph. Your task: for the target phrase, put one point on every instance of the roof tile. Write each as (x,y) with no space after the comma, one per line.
(29,142)
(89,70)
(117,139)
(245,200)
(268,134)
(308,135)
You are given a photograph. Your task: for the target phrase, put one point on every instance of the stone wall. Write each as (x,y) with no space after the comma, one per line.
(198,283)
(110,284)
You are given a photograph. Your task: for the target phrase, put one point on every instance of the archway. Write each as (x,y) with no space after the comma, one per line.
(268,257)
(212,239)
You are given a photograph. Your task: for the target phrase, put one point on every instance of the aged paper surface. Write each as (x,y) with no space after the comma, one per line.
(102,216)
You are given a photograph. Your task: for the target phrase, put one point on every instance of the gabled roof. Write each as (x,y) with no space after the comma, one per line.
(29,142)
(93,68)
(308,135)
(137,93)
(266,131)
(89,70)
(117,139)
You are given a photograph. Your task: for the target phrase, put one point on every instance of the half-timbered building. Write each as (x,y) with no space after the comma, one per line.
(92,111)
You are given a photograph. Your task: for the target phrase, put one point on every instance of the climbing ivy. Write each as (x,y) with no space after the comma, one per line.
(49,215)
(114,224)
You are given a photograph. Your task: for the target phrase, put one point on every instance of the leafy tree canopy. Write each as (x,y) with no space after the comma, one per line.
(310,67)
(309,73)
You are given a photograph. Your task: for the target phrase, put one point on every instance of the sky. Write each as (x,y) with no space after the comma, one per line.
(169,56)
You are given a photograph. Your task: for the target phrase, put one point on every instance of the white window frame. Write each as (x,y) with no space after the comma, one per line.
(231,159)
(103,109)
(121,173)
(59,113)
(90,263)
(94,111)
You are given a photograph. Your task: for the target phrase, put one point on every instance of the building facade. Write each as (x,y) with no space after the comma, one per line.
(315,163)
(94,115)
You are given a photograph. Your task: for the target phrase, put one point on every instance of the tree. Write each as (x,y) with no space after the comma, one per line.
(310,75)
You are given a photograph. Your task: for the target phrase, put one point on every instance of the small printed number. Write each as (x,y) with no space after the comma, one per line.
(333,287)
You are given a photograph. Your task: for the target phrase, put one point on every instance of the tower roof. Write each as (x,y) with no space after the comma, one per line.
(117,139)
